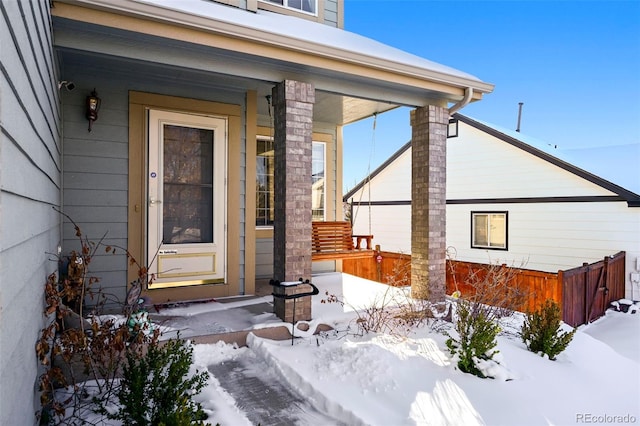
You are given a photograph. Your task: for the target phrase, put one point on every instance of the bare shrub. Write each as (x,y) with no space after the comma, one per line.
(393,311)
(80,349)
(491,289)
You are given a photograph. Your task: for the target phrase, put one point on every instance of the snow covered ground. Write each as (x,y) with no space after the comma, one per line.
(341,378)
(378,379)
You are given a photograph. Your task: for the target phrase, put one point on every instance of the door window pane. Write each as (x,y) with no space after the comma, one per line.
(188,185)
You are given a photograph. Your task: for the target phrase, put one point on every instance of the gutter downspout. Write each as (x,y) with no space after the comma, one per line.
(468,93)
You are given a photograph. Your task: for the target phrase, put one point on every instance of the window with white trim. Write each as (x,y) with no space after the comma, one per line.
(317,181)
(265,186)
(309,6)
(264,182)
(489,230)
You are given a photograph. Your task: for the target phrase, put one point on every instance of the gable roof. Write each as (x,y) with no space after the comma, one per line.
(517,140)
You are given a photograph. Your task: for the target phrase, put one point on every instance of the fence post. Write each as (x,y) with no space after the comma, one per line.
(585,265)
(560,290)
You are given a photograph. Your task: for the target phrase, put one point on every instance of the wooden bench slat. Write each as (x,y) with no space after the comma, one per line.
(334,240)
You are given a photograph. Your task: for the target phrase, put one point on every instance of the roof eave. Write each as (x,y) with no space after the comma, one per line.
(451,86)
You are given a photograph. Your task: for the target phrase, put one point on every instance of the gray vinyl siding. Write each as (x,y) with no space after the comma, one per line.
(331,12)
(243,207)
(30,183)
(95,178)
(96,165)
(264,258)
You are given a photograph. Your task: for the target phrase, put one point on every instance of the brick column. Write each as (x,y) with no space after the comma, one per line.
(293,121)
(428,202)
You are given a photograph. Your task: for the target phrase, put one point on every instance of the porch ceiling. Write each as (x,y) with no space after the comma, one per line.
(331,108)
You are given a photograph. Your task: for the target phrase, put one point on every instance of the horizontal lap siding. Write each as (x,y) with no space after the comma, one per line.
(95,180)
(481,166)
(30,183)
(390,226)
(264,258)
(331,12)
(552,236)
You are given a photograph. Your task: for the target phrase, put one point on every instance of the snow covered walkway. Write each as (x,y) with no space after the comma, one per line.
(264,399)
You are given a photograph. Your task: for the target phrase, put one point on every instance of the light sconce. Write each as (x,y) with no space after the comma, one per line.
(452,128)
(93,106)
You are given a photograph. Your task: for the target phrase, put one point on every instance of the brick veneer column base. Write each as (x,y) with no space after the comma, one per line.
(284,308)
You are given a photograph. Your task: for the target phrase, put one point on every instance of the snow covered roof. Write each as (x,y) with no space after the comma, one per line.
(293,28)
(294,34)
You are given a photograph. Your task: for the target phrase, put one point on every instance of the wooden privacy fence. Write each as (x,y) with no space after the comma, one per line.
(588,290)
(584,293)
(529,288)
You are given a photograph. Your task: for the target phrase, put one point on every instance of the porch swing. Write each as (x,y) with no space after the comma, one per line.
(334,240)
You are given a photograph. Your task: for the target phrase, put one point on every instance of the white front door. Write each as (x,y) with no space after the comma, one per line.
(186,199)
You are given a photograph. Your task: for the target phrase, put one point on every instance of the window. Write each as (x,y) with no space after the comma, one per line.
(264,182)
(265,192)
(489,230)
(301,5)
(317,181)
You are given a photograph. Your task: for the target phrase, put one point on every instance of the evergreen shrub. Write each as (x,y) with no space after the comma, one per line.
(541,331)
(475,342)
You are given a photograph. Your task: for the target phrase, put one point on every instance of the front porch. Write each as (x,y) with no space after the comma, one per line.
(293,96)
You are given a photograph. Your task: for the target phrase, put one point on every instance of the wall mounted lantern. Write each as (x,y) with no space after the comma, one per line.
(452,128)
(93,106)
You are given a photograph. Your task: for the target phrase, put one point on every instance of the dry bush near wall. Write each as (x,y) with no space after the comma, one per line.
(492,289)
(393,312)
(84,354)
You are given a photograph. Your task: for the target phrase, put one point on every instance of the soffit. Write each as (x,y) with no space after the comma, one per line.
(329,108)
(331,68)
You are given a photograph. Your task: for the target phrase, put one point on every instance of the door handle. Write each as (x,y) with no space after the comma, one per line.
(153,201)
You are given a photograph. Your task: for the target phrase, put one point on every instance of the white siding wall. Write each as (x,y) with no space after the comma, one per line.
(30,175)
(390,226)
(551,236)
(541,236)
(481,166)
(391,184)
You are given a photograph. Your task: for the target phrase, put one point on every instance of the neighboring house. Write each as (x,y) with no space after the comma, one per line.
(512,200)
(214,122)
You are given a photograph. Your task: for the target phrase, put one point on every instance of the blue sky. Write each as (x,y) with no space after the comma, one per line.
(574,64)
